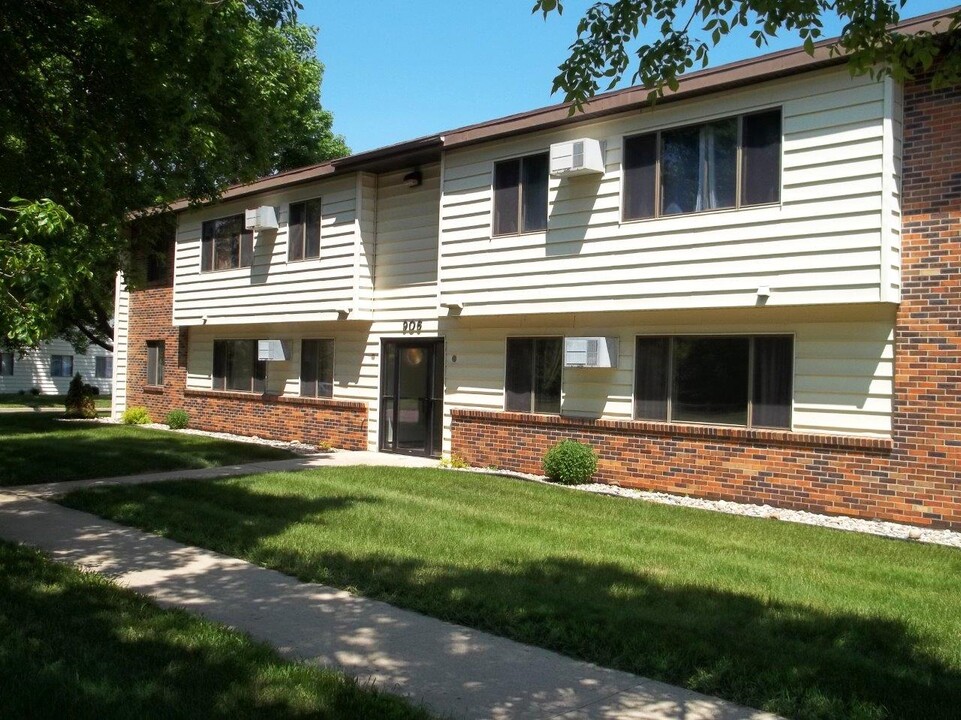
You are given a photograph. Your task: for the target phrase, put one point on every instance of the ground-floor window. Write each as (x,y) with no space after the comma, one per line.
(236,366)
(6,363)
(722,380)
(533,381)
(155,362)
(61,365)
(317,368)
(103,367)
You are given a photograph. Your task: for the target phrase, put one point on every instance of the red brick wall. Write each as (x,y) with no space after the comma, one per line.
(342,424)
(915,477)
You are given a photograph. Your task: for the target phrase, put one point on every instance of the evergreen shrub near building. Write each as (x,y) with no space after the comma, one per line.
(79,402)
(570,462)
(177,419)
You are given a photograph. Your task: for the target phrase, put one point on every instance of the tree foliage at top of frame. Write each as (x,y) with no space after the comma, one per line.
(108,107)
(611,40)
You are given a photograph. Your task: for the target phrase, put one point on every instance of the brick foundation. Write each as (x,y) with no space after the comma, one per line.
(915,477)
(340,423)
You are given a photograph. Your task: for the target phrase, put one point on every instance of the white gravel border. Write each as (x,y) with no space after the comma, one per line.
(293,446)
(837,522)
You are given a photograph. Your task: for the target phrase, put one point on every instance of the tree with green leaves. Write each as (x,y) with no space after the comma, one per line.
(682,34)
(108,107)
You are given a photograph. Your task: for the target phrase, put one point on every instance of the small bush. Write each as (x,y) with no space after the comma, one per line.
(21,391)
(455,462)
(34,391)
(79,402)
(136,415)
(177,419)
(570,462)
(94,389)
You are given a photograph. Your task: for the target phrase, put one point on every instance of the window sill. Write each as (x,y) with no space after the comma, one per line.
(154,389)
(270,398)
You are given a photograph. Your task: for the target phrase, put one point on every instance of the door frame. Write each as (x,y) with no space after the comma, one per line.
(435,404)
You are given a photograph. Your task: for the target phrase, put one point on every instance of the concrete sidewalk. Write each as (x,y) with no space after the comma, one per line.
(453,670)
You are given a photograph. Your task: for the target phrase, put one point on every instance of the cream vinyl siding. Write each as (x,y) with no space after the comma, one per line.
(121,328)
(843,369)
(396,234)
(274,289)
(827,241)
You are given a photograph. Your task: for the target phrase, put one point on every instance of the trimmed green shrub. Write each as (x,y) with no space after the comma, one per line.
(79,402)
(136,415)
(570,462)
(177,419)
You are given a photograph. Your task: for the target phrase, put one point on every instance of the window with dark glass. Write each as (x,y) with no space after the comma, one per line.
(61,365)
(727,380)
(236,366)
(317,368)
(303,232)
(733,162)
(226,244)
(6,363)
(533,382)
(103,367)
(155,362)
(520,194)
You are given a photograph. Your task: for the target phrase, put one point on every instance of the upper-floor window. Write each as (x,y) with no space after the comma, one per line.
(723,380)
(6,363)
(226,244)
(533,381)
(303,231)
(61,365)
(317,368)
(155,362)
(236,366)
(733,162)
(520,194)
(103,367)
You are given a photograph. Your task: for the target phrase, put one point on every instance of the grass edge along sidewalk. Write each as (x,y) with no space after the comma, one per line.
(796,620)
(76,645)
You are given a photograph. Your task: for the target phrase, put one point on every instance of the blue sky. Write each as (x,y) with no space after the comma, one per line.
(399,70)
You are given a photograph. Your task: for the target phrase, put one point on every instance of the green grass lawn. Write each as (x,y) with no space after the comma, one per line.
(803,621)
(37,447)
(74,645)
(30,402)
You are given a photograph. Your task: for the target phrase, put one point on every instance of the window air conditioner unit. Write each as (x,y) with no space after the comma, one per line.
(590,352)
(273,349)
(261,218)
(577,157)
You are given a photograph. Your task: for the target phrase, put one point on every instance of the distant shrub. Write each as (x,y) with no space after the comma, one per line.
(454,461)
(94,389)
(79,402)
(570,462)
(34,391)
(136,415)
(21,391)
(177,419)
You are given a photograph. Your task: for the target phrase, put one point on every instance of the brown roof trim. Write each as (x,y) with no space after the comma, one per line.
(736,74)
(428,148)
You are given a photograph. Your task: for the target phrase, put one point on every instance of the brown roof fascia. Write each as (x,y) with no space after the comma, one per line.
(371,159)
(736,74)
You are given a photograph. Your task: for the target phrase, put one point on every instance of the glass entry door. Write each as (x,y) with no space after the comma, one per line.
(412,396)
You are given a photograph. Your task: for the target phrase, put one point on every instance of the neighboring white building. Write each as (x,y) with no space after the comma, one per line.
(51,367)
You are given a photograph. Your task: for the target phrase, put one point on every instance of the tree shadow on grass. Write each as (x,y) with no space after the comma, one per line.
(791,659)
(76,646)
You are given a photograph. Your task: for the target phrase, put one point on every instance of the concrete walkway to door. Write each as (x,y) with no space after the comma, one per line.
(453,670)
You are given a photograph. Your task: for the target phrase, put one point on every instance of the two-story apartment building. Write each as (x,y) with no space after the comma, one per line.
(748,290)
